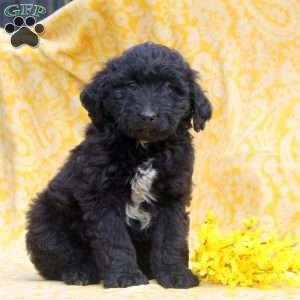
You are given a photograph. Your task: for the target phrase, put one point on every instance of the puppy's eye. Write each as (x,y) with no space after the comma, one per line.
(166,85)
(132,84)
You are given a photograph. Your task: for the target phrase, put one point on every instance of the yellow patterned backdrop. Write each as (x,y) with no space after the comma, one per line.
(248,158)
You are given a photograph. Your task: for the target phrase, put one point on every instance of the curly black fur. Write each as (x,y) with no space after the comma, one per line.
(141,106)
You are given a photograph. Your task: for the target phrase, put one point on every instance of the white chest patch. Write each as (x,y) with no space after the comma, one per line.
(141,185)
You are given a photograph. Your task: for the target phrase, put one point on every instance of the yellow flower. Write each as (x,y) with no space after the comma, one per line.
(246,257)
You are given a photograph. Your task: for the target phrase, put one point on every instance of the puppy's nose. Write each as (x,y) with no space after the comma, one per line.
(148,116)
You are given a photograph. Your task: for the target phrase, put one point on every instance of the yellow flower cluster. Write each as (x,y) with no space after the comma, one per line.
(246,257)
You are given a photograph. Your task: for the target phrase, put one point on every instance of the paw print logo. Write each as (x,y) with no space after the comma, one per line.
(23,32)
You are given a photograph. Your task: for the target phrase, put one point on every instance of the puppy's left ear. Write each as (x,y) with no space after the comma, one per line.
(201,107)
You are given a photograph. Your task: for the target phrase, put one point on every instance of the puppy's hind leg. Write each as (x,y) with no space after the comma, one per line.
(56,251)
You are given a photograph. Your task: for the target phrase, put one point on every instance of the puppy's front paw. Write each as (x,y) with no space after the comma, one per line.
(118,280)
(177,278)
(80,277)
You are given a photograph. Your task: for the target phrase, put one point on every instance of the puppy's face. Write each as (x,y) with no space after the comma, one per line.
(149,95)
(148,92)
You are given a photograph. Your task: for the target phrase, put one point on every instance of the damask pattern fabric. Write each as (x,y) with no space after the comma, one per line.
(247,159)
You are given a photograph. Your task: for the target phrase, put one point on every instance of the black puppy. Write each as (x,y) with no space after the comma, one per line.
(116,210)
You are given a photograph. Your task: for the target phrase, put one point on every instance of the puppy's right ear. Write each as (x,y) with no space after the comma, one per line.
(201,106)
(92,97)
(202,109)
